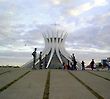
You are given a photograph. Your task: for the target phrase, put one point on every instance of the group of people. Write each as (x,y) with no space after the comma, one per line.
(34,59)
(73,65)
(69,66)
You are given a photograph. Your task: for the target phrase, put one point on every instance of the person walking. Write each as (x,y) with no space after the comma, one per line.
(45,61)
(40,61)
(92,64)
(73,57)
(83,65)
(34,58)
(72,66)
(63,65)
(75,63)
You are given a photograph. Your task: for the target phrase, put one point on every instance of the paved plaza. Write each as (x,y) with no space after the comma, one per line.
(21,83)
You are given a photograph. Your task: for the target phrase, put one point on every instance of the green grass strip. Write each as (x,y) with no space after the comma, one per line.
(8,85)
(90,89)
(47,86)
(5,72)
(98,76)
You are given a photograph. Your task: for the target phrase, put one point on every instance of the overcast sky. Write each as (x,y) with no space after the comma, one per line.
(23,21)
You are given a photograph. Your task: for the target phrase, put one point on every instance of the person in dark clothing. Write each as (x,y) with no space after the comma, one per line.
(72,66)
(83,66)
(75,63)
(73,57)
(45,61)
(34,58)
(68,64)
(63,65)
(92,64)
(40,61)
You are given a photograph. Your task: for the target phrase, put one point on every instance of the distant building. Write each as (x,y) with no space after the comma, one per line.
(108,59)
(54,51)
(105,62)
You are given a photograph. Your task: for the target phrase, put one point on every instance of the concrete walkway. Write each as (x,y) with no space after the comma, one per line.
(105,74)
(10,76)
(62,84)
(29,87)
(98,84)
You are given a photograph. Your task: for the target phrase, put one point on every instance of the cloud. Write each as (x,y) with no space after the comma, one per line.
(100,20)
(81,9)
(60,2)
(91,37)
(100,2)
(86,7)
(23,22)
(2,0)
(56,2)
